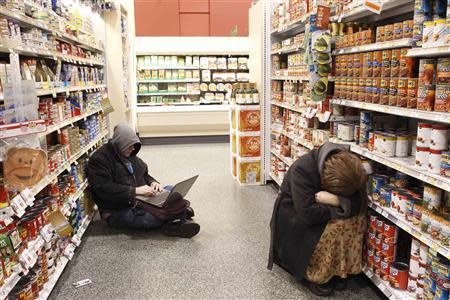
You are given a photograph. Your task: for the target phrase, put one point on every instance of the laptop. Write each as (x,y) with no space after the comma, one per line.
(179,191)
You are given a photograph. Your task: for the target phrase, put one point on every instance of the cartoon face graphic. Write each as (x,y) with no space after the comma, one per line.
(24,167)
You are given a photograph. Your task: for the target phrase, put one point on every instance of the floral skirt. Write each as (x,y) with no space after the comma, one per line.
(339,251)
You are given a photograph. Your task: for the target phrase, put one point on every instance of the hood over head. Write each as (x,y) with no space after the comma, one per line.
(124,137)
(327,149)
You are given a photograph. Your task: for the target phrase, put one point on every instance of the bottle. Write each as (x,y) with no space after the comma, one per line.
(255,95)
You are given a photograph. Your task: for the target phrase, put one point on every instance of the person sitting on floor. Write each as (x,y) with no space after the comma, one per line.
(116,176)
(318,221)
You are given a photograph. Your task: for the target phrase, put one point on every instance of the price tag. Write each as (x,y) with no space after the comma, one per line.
(435,246)
(385,214)
(19,205)
(47,233)
(375,6)
(76,240)
(369,273)
(378,209)
(407,229)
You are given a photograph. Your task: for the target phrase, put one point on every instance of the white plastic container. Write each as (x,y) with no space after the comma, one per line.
(439,137)
(423,134)
(434,161)
(422,157)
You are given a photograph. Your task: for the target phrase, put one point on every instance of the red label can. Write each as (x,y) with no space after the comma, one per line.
(380,226)
(377,264)
(399,275)
(385,270)
(390,233)
(379,243)
(373,222)
(388,249)
(371,236)
(370,258)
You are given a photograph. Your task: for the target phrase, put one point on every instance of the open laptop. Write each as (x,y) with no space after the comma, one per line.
(179,191)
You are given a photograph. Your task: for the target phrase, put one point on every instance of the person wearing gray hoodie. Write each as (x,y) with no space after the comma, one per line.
(117,175)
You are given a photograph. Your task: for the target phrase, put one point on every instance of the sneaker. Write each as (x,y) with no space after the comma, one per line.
(190,213)
(339,284)
(321,290)
(186,229)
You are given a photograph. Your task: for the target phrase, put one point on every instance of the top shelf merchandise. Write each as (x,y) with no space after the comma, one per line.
(184,80)
(52,99)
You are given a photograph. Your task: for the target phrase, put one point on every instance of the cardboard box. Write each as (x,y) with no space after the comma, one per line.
(249,170)
(248,118)
(248,144)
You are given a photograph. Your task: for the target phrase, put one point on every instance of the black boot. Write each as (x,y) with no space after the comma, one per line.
(322,290)
(190,213)
(339,284)
(178,228)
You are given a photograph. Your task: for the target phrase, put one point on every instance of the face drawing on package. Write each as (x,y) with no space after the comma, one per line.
(24,167)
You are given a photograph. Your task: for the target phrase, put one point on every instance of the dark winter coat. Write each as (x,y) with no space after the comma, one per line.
(112,182)
(298,221)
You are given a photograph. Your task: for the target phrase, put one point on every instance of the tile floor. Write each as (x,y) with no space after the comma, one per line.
(227,260)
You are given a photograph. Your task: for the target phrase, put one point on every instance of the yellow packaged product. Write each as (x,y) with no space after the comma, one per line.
(249,170)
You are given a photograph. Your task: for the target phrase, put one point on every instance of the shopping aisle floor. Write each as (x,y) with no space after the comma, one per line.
(227,260)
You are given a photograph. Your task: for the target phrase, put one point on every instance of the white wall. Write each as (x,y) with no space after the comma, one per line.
(191,45)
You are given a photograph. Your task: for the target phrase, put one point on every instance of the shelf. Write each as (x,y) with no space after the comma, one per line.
(405,165)
(71,203)
(69,121)
(386,289)
(51,177)
(28,21)
(70,89)
(360,11)
(184,108)
(298,140)
(169,104)
(287,50)
(376,47)
(295,26)
(442,51)
(169,68)
(170,80)
(290,107)
(36,52)
(291,78)
(287,161)
(400,221)
(441,117)
(276,179)
(63,261)
(170,94)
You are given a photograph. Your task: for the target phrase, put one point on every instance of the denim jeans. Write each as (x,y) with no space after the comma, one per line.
(136,218)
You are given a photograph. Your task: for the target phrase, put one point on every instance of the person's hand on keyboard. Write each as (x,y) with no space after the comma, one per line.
(157,188)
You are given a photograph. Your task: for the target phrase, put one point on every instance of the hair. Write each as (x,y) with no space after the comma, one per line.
(343,174)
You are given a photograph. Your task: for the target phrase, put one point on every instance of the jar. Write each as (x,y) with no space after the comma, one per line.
(389,142)
(439,137)
(423,134)
(445,236)
(434,161)
(422,157)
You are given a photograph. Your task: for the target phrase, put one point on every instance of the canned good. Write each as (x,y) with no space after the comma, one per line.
(445,164)
(395,62)
(380,230)
(367,67)
(434,161)
(402,92)
(389,249)
(370,258)
(388,144)
(402,146)
(371,238)
(385,269)
(407,64)
(423,134)
(442,101)
(368,87)
(380,34)
(386,63)
(439,137)
(373,222)
(384,91)
(377,63)
(443,71)
(393,91)
(399,275)
(412,93)
(432,197)
(422,156)
(426,97)
(427,71)
(408,28)
(389,32)
(390,233)
(377,264)
(398,30)
(376,82)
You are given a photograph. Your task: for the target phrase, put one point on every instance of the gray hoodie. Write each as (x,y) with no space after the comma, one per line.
(124,137)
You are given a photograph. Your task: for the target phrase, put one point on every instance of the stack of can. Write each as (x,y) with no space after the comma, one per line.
(382,246)
(365,129)
(417,270)
(436,280)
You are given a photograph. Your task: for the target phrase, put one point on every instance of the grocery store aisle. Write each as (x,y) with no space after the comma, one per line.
(226,260)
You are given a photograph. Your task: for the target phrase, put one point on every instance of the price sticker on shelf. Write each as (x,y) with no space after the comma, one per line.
(76,240)
(385,214)
(434,247)
(378,209)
